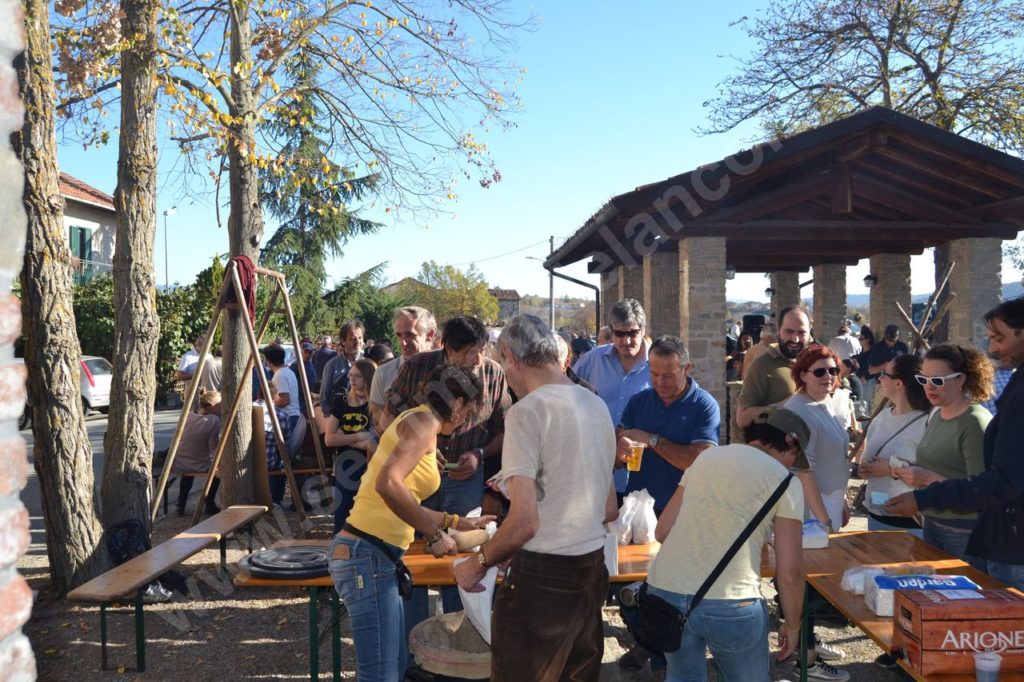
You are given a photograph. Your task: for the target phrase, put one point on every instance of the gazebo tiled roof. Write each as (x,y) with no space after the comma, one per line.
(873,182)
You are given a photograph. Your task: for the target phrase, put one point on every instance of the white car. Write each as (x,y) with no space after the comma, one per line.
(95,382)
(94,385)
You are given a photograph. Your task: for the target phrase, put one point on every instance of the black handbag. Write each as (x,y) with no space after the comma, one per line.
(660,625)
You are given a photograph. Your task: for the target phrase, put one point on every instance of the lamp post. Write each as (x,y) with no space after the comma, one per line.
(551,288)
(167,279)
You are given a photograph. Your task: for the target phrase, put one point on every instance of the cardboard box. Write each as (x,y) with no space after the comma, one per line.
(939,631)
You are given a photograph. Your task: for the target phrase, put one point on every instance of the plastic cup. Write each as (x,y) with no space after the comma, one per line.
(635,458)
(986,666)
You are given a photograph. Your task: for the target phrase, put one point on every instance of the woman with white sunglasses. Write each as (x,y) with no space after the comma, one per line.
(955,380)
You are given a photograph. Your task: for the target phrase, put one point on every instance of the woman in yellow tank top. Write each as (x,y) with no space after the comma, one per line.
(365,556)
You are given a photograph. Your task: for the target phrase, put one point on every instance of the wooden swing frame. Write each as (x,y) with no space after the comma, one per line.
(233,284)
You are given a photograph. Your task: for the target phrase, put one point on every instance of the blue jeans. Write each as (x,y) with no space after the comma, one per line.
(1011,574)
(454,497)
(367,585)
(736,632)
(950,539)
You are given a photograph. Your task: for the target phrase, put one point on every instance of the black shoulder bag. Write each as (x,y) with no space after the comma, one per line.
(659,624)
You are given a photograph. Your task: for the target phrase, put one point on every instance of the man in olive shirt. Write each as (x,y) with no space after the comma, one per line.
(768,380)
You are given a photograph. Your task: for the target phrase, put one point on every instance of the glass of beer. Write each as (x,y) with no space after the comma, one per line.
(635,457)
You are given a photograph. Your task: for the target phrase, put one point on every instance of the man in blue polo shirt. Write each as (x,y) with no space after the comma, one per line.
(618,370)
(675,420)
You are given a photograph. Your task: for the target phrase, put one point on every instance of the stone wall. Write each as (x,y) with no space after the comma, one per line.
(16,659)
(609,294)
(977,282)
(702,285)
(787,291)
(892,287)
(829,300)
(632,282)
(661,293)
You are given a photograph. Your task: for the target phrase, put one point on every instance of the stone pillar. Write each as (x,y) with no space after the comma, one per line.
(977,282)
(701,308)
(16,659)
(609,294)
(892,287)
(661,293)
(787,291)
(633,282)
(829,300)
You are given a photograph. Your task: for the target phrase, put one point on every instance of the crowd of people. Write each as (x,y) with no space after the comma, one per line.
(416,437)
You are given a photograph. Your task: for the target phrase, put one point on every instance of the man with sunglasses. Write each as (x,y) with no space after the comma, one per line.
(619,370)
(997,542)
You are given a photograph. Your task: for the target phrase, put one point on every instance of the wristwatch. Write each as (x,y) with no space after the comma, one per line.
(479,453)
(653,441)
(482,560)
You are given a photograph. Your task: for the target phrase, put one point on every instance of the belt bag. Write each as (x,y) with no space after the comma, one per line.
(659,624)
(402,573)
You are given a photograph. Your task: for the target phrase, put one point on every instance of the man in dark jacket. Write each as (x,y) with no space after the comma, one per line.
(997,542)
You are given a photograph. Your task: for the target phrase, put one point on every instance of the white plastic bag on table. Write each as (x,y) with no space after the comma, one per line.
(624,524)
(644,520)
(611,549)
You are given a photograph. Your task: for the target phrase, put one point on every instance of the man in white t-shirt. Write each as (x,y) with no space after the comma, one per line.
(190,360)
(557,459)
(288,396)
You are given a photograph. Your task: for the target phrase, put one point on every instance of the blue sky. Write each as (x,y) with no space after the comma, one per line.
(612,96)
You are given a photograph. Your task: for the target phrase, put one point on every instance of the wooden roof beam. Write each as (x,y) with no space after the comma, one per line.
(907,203)
(944,172)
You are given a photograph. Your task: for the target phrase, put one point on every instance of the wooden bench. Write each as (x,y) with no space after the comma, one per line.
(131,577)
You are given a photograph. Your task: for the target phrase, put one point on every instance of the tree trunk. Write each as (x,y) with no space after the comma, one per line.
(128,444)
(61,452)
(941,333)
(245,230)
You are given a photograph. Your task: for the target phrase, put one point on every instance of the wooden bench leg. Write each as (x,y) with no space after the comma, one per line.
(314,635)
(336,635)
(103,635)
(140,634)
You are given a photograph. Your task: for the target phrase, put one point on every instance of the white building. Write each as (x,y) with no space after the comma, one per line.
(91,222)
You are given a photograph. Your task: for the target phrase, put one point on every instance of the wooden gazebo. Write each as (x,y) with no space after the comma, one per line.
(876,184)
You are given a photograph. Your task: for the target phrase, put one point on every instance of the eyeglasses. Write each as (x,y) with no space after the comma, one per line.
(623,333)
(821,371)
(889,375)
(937,382)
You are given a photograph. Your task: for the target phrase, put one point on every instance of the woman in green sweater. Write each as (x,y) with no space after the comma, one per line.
(955,380)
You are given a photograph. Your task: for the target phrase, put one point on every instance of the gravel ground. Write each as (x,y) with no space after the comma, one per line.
(224,632)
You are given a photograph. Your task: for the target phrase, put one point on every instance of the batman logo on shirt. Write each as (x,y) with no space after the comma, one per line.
(354,422)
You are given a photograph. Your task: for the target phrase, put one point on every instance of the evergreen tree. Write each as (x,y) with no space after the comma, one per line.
(309,194)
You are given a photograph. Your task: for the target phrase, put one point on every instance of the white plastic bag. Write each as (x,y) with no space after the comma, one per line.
(644,521)
(477,605)
(624,524)
(611,550)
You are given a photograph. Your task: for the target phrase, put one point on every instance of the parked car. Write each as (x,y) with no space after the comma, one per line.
(95,382)
(94,385)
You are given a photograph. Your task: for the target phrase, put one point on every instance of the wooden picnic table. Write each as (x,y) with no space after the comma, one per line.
(824,570)
(427,571)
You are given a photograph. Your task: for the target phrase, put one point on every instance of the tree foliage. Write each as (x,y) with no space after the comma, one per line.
(405,90)
(449,291)
(312,202)
(361,297)
(954,64)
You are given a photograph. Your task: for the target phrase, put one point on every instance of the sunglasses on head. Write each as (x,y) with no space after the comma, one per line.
(821,371)
(623,333)
(937,382)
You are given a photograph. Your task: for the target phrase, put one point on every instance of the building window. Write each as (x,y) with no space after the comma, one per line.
(81,254)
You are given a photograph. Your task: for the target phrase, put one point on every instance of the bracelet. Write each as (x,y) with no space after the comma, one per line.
(796,629)
(455,521)
(446,520)
(436,537)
